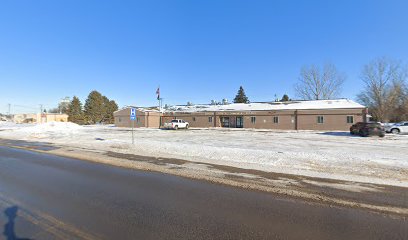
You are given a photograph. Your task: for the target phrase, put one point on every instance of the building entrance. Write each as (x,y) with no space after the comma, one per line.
(240,122)
(225,122)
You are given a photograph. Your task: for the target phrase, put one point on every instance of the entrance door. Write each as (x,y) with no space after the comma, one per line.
(225,122)
(240,122)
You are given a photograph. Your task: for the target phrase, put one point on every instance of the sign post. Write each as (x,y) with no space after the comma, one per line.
(132,119)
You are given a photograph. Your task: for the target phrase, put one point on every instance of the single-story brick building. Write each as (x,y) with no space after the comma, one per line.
(337,114)
(145,117)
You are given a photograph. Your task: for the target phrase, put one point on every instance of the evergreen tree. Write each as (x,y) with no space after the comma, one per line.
(105,107)
(111,108)
(285,98)
(241,97)
(75,112)
(94,108)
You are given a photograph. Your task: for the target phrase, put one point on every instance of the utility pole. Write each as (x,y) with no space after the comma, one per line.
(41,109)
(9,107)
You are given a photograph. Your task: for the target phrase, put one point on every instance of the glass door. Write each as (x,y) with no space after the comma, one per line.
(240,122)
(225,122)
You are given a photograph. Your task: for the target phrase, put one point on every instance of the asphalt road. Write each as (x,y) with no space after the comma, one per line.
(48,197)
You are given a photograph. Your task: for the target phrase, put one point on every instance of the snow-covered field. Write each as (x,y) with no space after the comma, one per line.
(335,155)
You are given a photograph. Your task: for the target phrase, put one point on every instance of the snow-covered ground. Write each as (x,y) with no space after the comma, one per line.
(335,155)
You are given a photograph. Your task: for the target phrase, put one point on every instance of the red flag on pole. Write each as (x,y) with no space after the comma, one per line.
(158,93)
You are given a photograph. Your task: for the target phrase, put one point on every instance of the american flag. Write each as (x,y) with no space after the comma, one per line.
(158,93)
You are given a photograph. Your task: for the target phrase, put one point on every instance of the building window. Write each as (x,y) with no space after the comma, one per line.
(209,119)
(193,119)
(253,120)
(138,119)
(320,119)
(275,119)
(120,119)
(350,119)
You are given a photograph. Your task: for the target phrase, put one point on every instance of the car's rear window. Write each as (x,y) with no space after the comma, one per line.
(174,121)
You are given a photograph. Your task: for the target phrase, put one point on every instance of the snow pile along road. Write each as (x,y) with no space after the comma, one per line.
(335,155)
(5,125)
(49,130)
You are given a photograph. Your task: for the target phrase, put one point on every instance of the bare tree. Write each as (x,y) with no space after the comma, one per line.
(401,112)
(385,89)
(318,85)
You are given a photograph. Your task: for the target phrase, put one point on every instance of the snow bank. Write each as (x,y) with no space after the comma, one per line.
(49,129)
(52,126)
(336,155)
(9,125)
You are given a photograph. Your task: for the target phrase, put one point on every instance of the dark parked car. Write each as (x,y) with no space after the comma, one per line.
(367,129)
(355,128)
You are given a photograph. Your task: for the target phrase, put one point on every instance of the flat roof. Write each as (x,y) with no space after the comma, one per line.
(269,106)
(257,106)
(141,109)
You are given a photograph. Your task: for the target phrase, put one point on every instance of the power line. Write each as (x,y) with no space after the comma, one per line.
(10,108)
(22,106)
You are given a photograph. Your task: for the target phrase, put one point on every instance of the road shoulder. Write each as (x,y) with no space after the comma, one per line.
(383,199)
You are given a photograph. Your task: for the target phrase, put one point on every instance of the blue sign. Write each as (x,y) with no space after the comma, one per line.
(133,114)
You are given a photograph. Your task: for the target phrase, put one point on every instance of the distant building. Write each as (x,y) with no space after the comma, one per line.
(291,115)
(39,118)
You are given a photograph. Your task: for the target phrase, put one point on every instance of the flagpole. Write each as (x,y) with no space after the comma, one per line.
(158,97)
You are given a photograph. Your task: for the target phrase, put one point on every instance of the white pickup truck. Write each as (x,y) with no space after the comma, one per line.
(176,124)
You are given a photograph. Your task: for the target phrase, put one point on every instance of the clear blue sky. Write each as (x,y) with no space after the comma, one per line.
(195,50)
